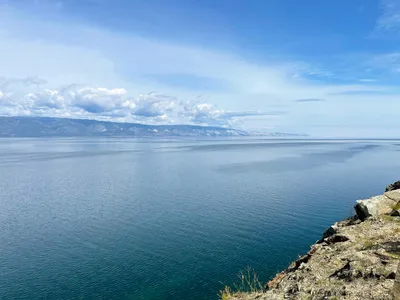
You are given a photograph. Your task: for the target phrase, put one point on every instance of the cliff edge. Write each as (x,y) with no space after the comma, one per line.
(357,258)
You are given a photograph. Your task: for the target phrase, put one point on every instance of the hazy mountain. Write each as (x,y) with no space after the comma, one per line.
(62,127)
(53,127)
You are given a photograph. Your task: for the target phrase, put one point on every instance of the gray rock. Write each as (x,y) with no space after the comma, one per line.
(396,287)
(393,186)
(393,195)
(378,205)
(330,231)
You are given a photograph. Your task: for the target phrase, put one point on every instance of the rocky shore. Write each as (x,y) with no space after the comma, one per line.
(357,258)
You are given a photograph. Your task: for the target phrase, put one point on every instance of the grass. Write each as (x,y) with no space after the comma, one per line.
(368,245)
(226,293)
(396,206)
(394,255)
(247,282)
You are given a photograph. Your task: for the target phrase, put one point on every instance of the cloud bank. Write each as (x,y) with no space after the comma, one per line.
(78,101)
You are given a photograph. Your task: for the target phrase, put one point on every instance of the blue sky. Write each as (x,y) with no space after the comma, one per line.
(326,68)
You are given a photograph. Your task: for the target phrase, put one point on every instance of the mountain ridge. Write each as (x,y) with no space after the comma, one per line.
(23,126)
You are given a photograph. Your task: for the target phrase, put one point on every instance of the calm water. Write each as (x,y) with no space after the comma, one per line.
(136,219)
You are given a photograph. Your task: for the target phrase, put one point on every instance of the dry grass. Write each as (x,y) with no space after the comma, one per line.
(247,282)
(396,206)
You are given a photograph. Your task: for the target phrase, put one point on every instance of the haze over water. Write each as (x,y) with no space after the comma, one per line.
(171,219)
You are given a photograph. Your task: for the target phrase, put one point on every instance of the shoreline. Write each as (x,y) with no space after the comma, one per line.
(356,258)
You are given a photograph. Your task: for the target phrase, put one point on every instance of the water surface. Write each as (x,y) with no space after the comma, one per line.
(170,219)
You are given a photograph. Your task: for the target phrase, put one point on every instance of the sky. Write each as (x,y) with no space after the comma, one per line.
(323,68)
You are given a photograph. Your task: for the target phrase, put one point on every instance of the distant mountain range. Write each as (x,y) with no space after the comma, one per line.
(63,127)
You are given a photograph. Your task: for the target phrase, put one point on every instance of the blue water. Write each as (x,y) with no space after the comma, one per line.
(170,219)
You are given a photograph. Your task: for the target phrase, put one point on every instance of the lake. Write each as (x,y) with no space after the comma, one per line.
(115,218)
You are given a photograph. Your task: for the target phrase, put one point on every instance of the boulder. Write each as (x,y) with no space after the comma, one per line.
(393,195)
(378,205)
(330,231)
(393,186)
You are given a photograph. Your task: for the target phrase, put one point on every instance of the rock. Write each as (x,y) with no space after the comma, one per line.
(396,287)
(395,213)
(393,186)
(290,290)
(336,238)
(378,205)
(342,271)
(273,284)
(361,211)
(330,231)
(354,260)
(360,262)
(393,195)
(354,220)
(296,264)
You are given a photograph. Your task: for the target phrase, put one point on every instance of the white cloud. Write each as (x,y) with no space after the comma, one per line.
(95,73)
(97,100)
(47,98)
(155,105)
(115,104)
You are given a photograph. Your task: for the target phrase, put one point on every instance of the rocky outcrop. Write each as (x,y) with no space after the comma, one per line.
(356,259)
(393,186)
(379,205)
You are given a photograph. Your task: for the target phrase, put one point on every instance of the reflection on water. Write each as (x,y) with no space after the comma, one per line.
(302,162)
(149,219)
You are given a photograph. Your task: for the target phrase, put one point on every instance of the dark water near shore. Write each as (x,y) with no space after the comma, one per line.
(147,219)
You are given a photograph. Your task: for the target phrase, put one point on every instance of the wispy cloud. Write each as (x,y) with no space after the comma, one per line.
(389,21)
(367,80)
(309,100)
(366,92)
(387,61)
